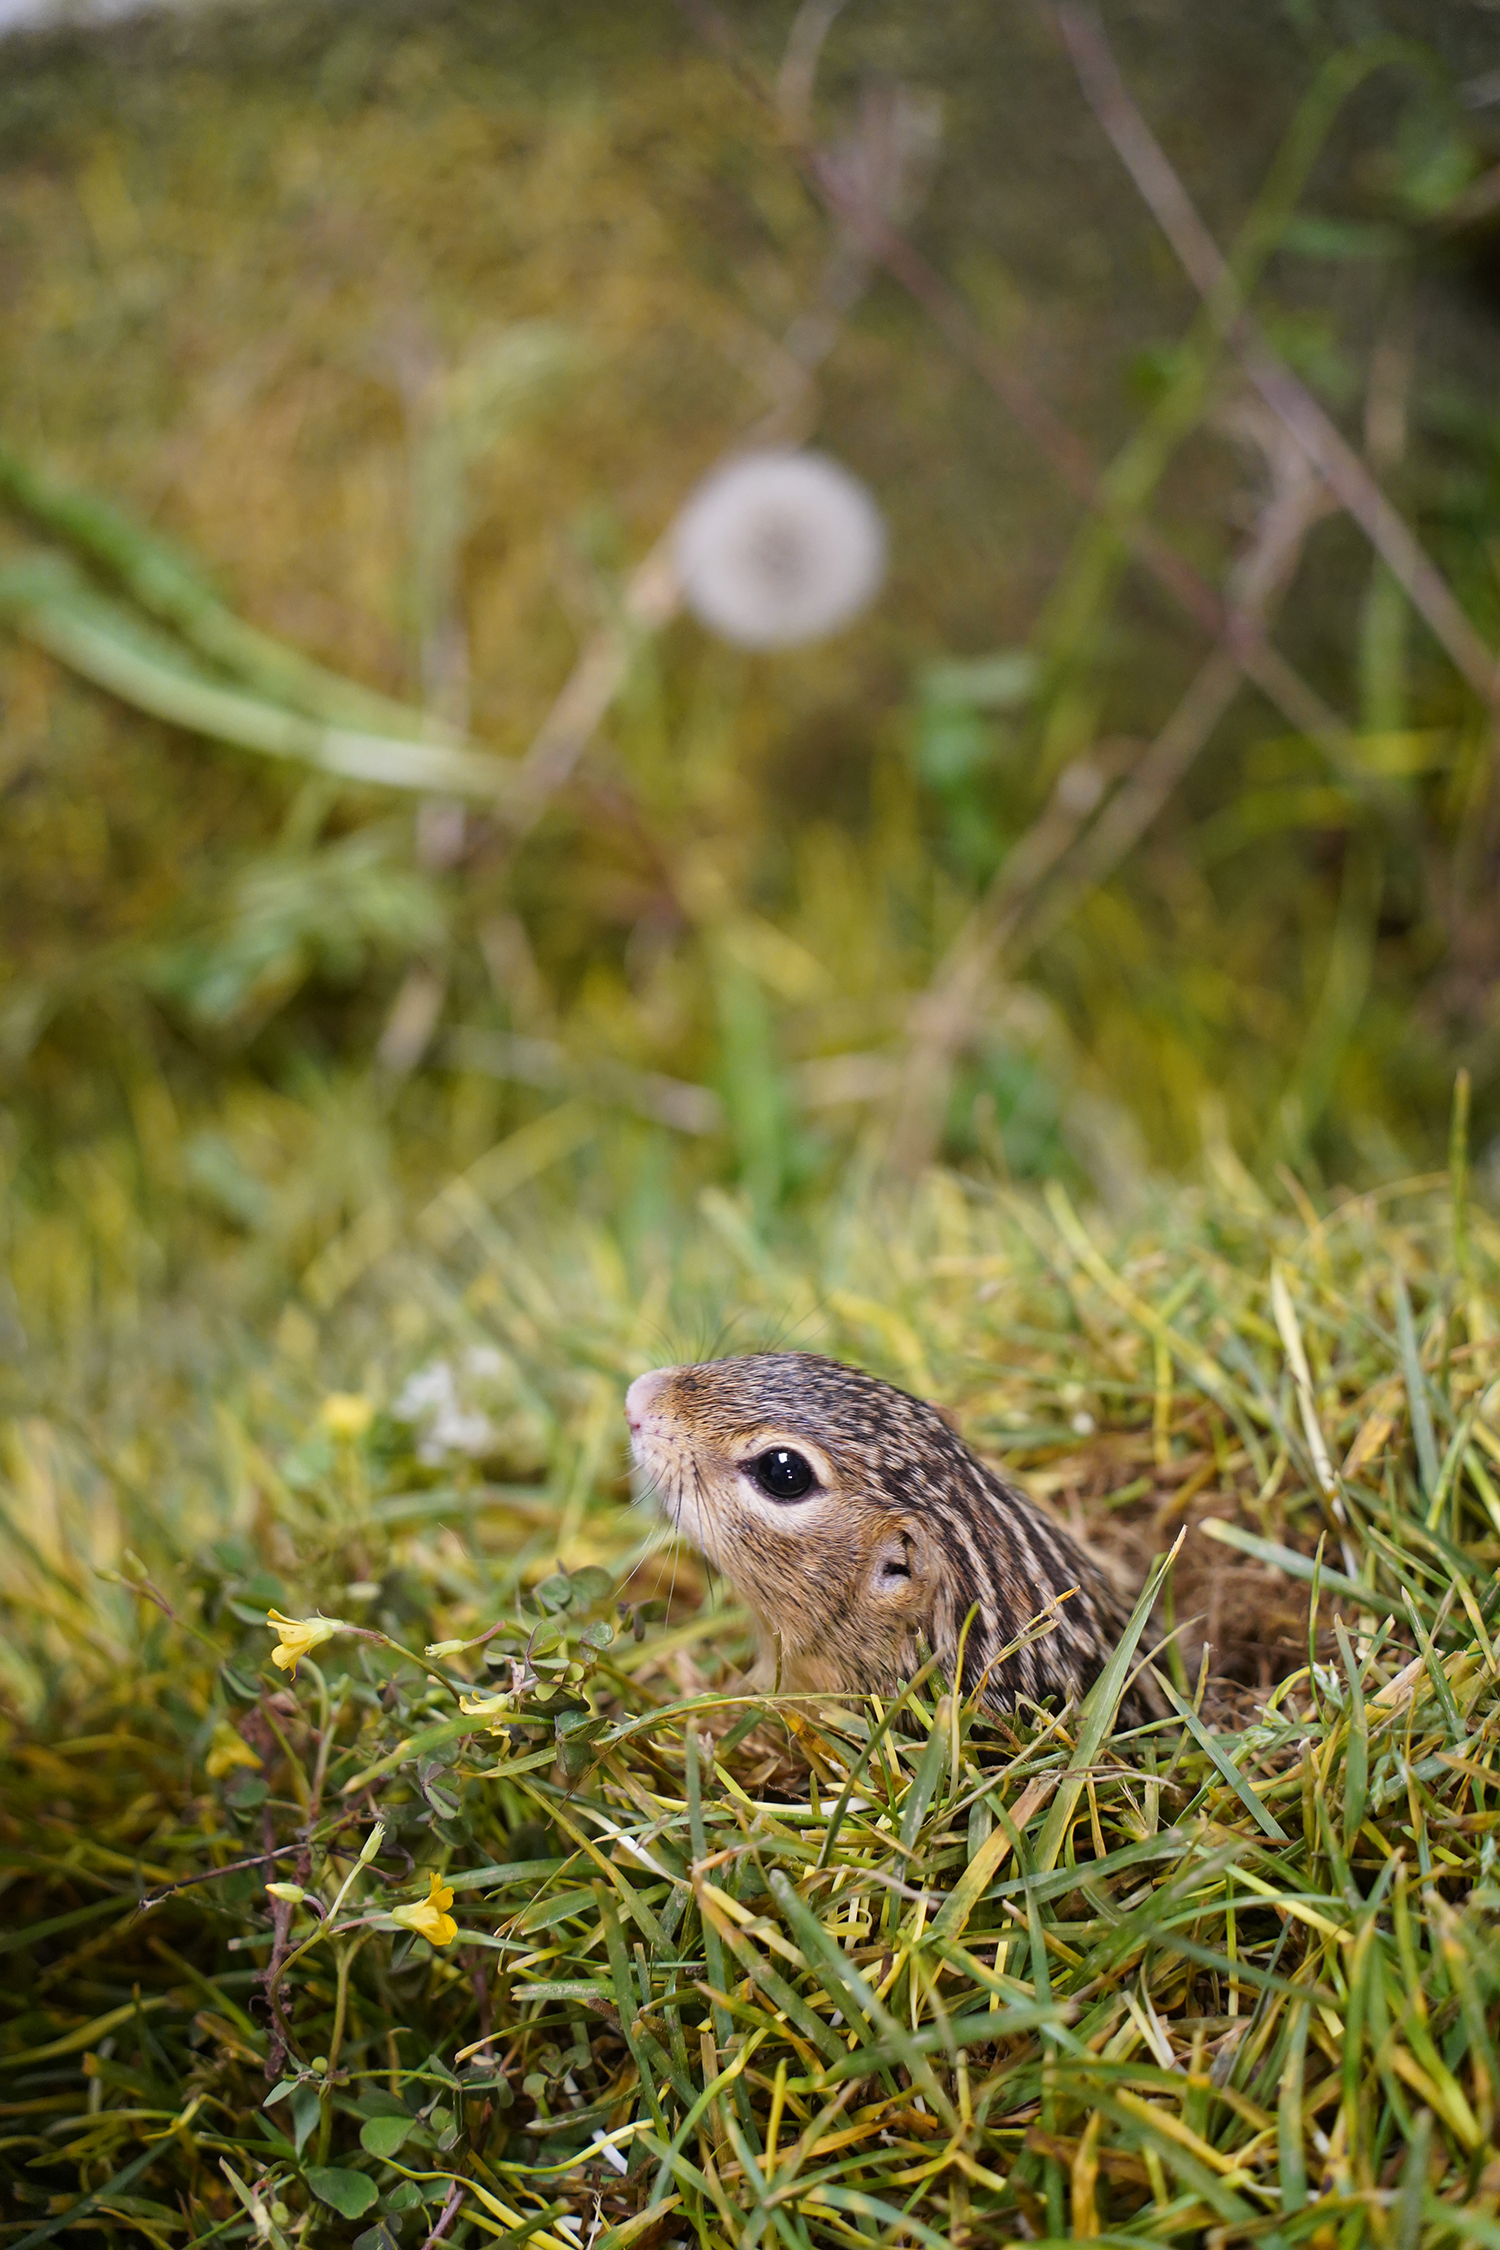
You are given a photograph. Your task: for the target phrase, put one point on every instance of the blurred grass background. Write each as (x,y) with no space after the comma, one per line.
(266,272)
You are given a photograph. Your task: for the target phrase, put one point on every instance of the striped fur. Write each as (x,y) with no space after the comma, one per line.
(905,1534)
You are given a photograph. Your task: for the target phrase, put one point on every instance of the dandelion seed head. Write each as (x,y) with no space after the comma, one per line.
(779,548)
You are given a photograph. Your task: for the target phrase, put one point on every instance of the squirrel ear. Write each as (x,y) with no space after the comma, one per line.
(896,1564)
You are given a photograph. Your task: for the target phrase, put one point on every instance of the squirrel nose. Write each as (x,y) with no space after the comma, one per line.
(643,1393)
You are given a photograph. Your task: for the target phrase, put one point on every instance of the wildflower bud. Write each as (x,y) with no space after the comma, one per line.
(346,1414)
(445,1648)
(227,1750)
(372,1843)
(290,1894)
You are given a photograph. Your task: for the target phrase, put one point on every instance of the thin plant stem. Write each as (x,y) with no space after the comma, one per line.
(1201,259)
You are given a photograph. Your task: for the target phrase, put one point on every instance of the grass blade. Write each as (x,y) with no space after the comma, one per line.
(102,642)
(1222,1763)
(1097,1713)
(1416,1390)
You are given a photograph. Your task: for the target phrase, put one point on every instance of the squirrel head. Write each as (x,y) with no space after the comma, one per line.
(804,1481)
(859,1530)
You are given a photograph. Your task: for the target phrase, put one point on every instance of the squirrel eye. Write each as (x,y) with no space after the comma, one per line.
(782,1474)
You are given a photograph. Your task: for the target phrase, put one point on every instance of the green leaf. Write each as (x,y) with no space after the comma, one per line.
(575,1723)
(306,2107)
(590,1585)
(348,2193)
(998,682)
(383,2136)
(381,2236)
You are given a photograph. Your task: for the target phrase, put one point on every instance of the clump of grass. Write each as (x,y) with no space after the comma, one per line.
(574,1940)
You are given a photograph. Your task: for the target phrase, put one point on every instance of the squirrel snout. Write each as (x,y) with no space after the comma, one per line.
(643,1393)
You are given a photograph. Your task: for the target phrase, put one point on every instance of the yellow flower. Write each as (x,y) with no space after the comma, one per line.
(347,1414)
(499,1708)
(228,1750)
(429,1917)
(300,1636)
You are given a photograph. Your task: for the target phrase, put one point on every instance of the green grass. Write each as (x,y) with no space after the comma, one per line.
(284,1329)
(818,1972)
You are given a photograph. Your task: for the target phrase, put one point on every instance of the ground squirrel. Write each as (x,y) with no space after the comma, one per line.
(856,1526)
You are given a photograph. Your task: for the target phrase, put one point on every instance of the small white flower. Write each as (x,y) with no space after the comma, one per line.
(427,1392)
(454,1431)
(448,1423)
(777,548)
